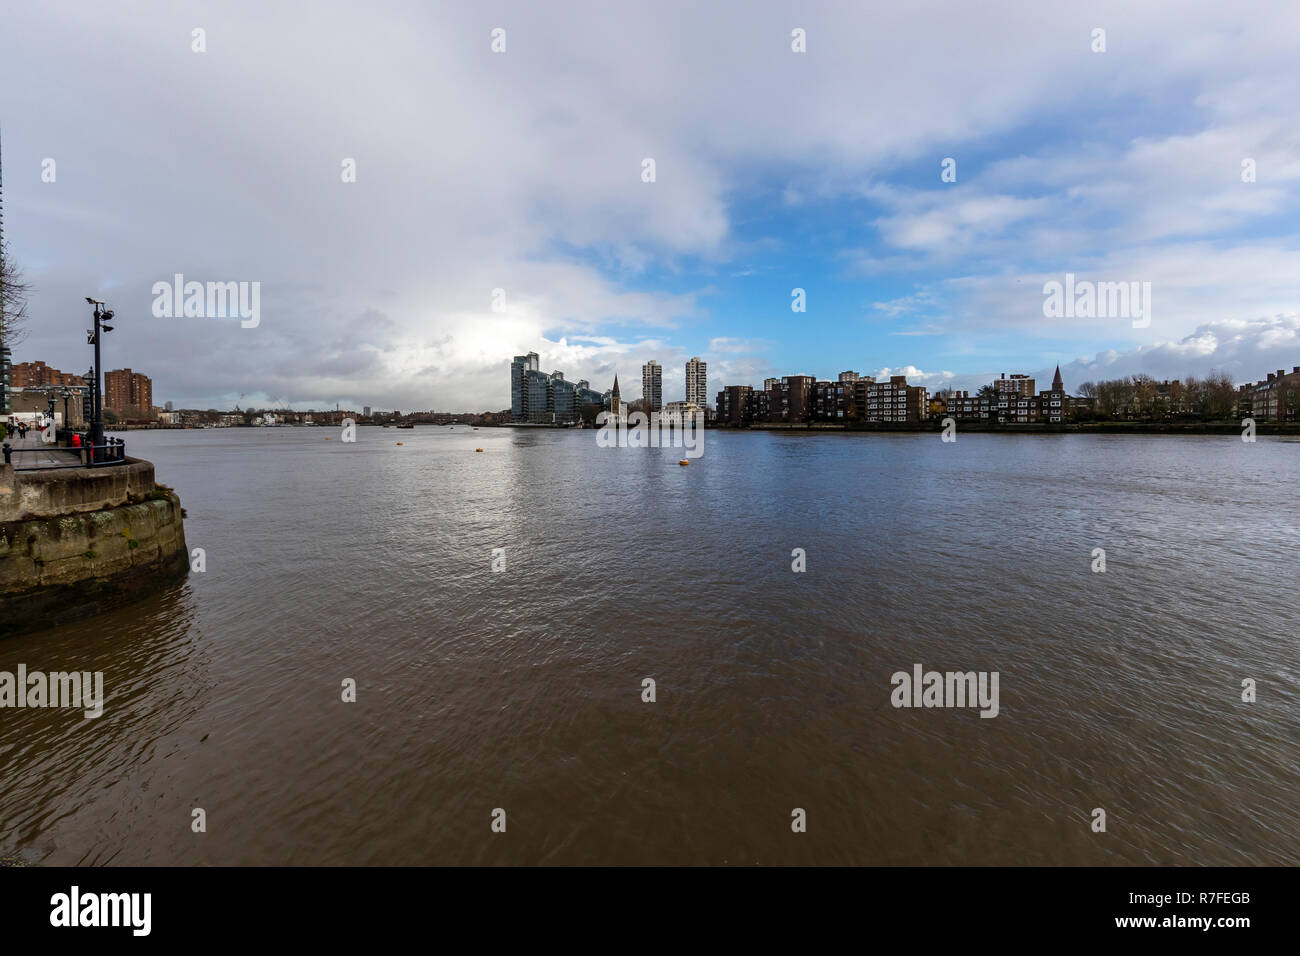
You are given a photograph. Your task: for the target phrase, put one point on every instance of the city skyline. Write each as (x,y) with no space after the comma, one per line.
(1122,166)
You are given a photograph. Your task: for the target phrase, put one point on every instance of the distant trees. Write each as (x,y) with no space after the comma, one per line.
(1214,396)
(1142,398)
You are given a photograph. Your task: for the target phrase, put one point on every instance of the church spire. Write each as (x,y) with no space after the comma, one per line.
(1056,380)
(616,408)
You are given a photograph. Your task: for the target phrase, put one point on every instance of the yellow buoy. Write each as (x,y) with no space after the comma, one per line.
(684,462)
(327,437)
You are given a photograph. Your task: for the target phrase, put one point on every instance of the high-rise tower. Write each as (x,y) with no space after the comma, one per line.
(697,382)
(652,385)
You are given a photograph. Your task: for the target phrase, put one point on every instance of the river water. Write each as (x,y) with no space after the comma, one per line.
(522,689)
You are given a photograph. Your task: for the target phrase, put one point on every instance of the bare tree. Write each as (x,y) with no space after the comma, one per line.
(14,290)
(1145,393)
(1108,398)
(1176,397)
(1222,395)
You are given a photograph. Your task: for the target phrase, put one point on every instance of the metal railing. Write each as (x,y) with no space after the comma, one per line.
(112,452)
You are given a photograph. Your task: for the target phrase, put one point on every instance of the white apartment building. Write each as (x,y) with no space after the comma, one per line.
(652,385)
(697,382)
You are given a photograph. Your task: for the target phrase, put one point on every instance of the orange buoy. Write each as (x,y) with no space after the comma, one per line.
(399,443)
(684,462)
(478,449)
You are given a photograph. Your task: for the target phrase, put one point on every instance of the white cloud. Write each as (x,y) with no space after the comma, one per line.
(916,376)
(1247,350)
(522,171)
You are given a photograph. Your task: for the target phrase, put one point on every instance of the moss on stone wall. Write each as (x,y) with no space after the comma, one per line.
(61,568)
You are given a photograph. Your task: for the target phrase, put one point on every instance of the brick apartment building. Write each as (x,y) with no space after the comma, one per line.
(26,374)
(1275,399)
(1018,404)
(1010,399)
(965,407)
(843,400)
(791,400)
(736,405)
(1022,385)
(896,401)
(831,401)
(801,398)
(127,390)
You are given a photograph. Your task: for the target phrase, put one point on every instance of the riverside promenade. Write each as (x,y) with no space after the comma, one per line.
(31,452)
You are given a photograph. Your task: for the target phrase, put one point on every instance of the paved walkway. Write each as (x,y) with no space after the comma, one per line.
(35,453)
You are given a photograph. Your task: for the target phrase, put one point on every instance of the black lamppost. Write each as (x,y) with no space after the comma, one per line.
(88,400)
(102,316)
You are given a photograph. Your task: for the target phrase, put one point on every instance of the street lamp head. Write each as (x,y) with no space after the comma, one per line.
(107,316)
(107,328)
(94,301)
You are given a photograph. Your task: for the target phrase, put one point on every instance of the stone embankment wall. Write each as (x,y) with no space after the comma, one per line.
(77,541)
(61,491)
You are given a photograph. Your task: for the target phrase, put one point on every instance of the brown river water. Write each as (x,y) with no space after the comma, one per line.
(522,689)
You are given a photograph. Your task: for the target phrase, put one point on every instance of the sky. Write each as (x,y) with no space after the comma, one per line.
(500,202)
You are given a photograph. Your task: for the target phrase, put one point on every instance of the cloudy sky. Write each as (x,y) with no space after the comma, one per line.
(774,170)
